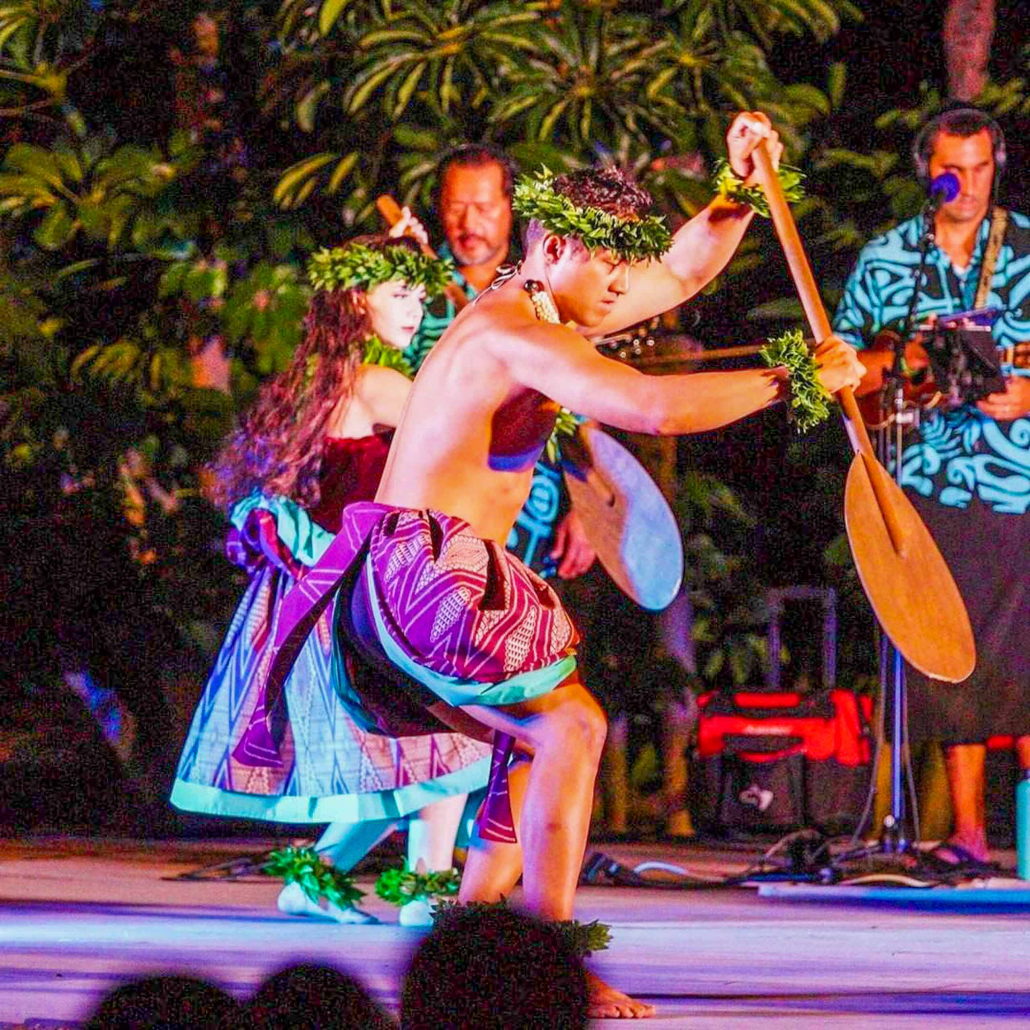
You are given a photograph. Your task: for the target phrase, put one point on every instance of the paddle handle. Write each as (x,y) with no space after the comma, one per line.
(804,281)
(392,214)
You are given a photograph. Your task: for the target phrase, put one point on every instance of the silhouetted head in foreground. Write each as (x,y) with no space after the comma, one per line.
(314,998)
(486,968)
(167,1003)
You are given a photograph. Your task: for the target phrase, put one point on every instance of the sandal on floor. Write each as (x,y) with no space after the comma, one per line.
(966,863)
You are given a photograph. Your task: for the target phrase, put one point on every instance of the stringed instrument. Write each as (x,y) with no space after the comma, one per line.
(919,389)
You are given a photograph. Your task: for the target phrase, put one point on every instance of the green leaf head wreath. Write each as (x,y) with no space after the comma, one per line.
(632,239)
(359,266)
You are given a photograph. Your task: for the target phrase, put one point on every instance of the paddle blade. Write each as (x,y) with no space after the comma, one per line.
(625,517)
(913,594)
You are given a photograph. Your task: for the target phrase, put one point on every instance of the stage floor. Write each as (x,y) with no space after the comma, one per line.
(77,917)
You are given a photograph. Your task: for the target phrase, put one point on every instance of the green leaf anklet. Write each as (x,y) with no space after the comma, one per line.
(399,886)
(317,878)
(727,184)
(583,938)
(809,399)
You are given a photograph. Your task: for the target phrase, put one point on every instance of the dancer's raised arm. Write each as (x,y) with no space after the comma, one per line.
(702,247)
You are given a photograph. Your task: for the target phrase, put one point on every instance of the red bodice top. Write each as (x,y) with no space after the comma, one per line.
(351,470)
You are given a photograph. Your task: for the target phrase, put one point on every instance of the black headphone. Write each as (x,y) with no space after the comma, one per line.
(958,120)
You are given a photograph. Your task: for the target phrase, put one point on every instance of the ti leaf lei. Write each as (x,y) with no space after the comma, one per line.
(729,185)
(632,239)
(565,424)
(399,886)
(583,938)
(358,266)
(375,353)
(809,399)
(378,353)
(317,878)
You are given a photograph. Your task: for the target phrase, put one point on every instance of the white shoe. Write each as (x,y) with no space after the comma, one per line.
(417,912)
(294,902)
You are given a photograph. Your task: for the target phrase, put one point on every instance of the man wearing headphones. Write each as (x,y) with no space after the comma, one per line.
(966,469)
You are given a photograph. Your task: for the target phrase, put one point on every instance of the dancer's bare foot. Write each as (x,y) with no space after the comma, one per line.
(606,1002)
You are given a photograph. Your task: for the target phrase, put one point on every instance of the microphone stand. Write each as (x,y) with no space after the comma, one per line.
(894,839)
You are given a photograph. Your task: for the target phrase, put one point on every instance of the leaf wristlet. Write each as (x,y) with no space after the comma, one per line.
(399,886)
(317,878)
(583,938)
(727,184)
(809,400)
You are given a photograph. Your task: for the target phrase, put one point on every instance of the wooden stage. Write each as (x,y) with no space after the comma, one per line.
(78,916)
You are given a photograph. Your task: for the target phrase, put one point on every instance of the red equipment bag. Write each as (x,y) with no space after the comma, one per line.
(772,761)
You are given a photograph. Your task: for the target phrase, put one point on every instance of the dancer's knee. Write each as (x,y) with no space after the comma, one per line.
(580,725)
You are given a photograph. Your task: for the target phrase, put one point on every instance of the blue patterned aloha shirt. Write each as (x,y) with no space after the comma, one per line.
(532,536)
(960,454)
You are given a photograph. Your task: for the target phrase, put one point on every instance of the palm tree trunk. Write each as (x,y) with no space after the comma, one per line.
(968,33)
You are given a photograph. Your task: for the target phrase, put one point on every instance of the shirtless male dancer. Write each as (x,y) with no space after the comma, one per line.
(480,411)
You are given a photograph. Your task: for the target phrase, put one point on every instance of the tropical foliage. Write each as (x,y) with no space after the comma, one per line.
(564,80)
(152,254)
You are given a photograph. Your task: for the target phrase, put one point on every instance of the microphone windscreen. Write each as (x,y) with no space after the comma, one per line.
(946,186)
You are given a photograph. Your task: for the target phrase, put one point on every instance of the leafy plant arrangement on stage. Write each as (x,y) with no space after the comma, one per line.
(316,877)
(809,401)
(583,938)
(399,886)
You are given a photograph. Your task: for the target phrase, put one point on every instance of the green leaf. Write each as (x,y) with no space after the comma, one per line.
(369,84)
(331,10)
(407,88)
(812,96)
(296,173)
(341,171)
(173,278)
(57,228)
(836,83)
(307,106)
(714,664)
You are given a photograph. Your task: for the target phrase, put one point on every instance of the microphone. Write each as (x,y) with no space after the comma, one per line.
(943,189)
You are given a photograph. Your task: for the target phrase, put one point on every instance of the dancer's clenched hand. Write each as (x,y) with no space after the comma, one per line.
(838,364)
(748,129)
(409,225)
(572,549)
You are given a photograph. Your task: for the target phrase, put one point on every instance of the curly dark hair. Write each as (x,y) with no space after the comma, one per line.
(277,446)
(607,188)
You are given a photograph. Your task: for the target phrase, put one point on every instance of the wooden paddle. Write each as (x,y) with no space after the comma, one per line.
(391,212)
(625,517)
(902,572)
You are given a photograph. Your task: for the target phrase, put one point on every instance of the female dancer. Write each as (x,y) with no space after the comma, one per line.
(312,443)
